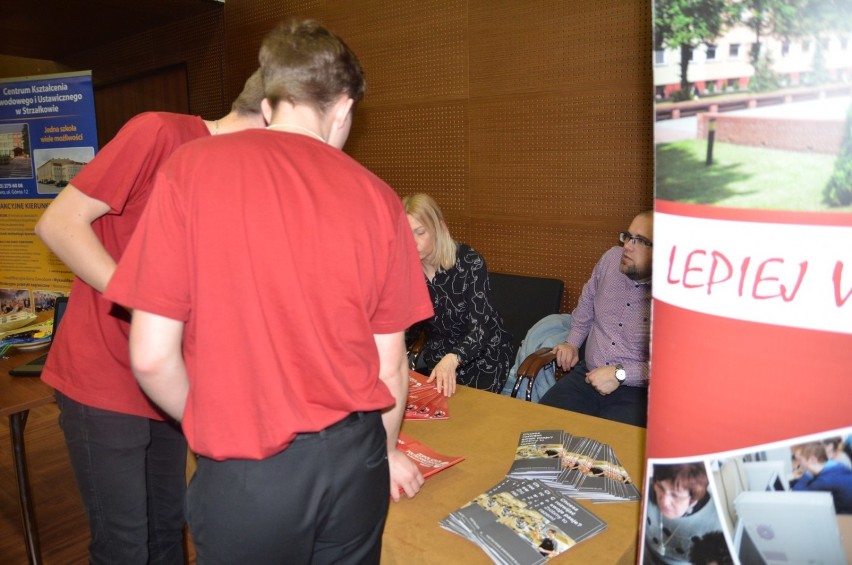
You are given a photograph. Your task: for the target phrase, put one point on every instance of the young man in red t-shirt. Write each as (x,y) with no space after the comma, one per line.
(128,457)
(272,278)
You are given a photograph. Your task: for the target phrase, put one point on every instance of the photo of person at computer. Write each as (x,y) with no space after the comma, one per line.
(680,510)
(790,499)
(814,471)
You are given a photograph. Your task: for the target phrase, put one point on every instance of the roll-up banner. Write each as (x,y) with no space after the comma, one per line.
(750,409)
(47,133)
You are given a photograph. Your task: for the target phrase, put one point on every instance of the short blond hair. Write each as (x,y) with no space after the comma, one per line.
(811,449)
(425,210)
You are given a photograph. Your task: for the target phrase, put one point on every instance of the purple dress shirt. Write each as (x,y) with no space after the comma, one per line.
(613,316)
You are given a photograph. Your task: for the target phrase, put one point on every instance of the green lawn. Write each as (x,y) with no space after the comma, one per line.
(743,177)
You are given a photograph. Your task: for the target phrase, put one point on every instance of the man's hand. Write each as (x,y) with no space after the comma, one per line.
(404,475)
(444,374)
(603,379)
(566,356)
(66,228)
(156,358)
(393,371)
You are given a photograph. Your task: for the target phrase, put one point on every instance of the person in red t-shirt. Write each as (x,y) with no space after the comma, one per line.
(128,457)
(272,278)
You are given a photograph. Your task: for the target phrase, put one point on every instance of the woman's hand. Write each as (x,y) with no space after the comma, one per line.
(444,374)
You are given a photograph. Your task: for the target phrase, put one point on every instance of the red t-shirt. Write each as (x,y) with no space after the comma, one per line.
(283,256)
(89,360)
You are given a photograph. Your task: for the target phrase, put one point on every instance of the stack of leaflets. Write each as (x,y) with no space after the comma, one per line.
(427,459)
(424,401)
(523,522)
(539,455)
(577,466)
(592,471)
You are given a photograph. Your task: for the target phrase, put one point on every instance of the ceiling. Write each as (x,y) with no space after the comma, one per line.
(50,29)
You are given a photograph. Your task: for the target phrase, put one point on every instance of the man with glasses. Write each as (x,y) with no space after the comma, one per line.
(613,318)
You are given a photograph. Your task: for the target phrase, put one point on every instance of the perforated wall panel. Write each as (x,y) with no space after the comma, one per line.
(412,51)
(247,23)
(418,149)
(529,121)
(198,42)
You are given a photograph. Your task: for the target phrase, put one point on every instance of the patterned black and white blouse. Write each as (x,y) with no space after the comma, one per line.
(467,324)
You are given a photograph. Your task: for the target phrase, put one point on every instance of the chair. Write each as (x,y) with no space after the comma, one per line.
(532,365)
(522,301)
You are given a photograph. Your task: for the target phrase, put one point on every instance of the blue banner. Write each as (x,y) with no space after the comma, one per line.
(47,133)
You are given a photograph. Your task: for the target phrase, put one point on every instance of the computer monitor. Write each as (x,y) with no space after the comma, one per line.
(788,527)
(766,475)
(33,367)
(783,455)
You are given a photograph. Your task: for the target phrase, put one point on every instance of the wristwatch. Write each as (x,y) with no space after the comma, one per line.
(620,373)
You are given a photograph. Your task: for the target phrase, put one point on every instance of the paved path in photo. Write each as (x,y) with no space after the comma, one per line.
(667,131)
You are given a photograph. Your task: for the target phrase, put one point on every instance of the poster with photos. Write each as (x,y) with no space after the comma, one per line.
(782,502)
(752,314)
(47,135)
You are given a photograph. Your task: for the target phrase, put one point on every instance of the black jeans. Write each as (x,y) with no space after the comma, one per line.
(627,404)
(323,499)
(131,472)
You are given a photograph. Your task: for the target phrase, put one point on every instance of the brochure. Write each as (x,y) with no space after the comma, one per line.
(427,459)
(539,454)
(424,402)
(592,471)
(523,522)
(579,467)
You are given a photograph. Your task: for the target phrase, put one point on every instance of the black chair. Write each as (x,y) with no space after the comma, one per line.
(522,301)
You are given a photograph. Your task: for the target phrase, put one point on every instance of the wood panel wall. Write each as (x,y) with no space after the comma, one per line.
(530,121)
(196,44)
(166,89)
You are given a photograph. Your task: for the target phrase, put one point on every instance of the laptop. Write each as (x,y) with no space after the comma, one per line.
(33,367)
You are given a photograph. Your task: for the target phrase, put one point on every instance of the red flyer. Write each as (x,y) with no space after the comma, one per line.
(427,459)
(424,401)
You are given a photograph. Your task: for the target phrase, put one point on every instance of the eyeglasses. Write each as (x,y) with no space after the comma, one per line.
(626,236)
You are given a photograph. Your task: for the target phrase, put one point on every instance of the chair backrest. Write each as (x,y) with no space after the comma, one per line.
(522,301)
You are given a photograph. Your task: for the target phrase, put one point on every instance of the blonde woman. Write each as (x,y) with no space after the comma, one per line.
(466,340)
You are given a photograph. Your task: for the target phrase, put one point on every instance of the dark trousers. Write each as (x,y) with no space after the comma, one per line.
(627,404)
(131,472)
(323,499)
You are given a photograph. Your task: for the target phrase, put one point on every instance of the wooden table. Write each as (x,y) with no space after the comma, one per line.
(17,396)
(484,428)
